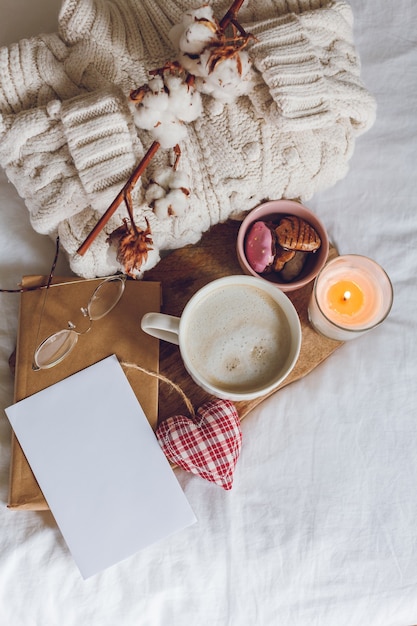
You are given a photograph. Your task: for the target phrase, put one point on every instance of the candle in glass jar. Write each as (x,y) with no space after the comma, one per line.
(351,295)
(346,298)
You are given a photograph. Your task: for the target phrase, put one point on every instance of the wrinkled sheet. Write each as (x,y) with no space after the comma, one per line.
(321,524)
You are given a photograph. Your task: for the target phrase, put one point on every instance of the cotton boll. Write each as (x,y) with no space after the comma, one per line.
(191,106)
(179,202)
(144,117)
(196,37)
(147,114)
(174,84)
(169,133)
(200,64)
(197,29)
(162,208)
(167,117)
(157,98)
(192,65)
(156,84)
(163,176)
(154,192)
(230,71)
(194,110)
(216,91)
(189,18)
(153,108)
(178,97)
(167,178)
(175,204)
(179,180)
(184,100)
(169,192)
(229,79)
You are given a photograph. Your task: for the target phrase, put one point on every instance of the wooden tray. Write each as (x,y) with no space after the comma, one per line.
(186,270)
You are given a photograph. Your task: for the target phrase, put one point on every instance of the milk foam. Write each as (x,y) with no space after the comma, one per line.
(238,338)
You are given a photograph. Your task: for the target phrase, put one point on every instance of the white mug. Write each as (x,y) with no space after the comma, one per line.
(239,337)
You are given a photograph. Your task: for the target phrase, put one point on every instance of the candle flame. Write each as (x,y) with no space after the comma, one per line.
(346,296)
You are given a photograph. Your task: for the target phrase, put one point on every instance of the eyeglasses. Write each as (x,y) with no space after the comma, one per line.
(57,346)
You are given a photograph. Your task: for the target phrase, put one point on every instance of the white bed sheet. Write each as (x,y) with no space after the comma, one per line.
(320,527)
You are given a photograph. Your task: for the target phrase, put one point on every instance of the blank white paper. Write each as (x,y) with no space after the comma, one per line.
(99,465)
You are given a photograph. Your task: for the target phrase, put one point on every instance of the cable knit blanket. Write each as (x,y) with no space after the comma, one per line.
(68,140)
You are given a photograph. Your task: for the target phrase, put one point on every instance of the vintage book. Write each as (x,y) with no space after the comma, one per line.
(117,333)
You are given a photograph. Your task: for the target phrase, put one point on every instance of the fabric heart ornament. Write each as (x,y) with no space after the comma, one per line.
(208,445)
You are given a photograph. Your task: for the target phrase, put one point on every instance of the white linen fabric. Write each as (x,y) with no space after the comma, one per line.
(320,526)
(68,140)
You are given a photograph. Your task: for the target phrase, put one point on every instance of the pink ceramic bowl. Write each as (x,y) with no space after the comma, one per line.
(273,211)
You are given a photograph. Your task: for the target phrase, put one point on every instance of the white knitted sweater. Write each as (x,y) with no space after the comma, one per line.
(68,142)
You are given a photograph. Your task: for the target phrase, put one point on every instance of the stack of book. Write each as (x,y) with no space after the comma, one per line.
(117,333)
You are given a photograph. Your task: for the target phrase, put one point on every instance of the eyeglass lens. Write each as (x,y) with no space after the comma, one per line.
(105,297)
(57,346)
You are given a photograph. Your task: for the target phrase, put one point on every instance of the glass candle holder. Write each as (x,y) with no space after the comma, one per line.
(351,295)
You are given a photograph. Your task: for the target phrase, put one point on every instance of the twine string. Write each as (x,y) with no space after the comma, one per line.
(164,379)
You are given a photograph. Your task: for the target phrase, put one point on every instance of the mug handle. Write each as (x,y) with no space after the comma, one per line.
(161,326)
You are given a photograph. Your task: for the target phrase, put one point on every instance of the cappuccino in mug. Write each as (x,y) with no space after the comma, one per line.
(238,338)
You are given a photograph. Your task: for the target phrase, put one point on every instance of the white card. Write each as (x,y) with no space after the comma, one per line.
(99,465)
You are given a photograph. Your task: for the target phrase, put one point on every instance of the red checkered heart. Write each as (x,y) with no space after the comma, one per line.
(208,446)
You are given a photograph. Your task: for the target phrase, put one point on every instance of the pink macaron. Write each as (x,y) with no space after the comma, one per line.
(260,247)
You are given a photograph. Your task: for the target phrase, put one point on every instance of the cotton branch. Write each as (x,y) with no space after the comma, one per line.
(168,117)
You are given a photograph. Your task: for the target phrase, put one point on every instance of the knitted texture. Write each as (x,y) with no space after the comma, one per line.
(68,140)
